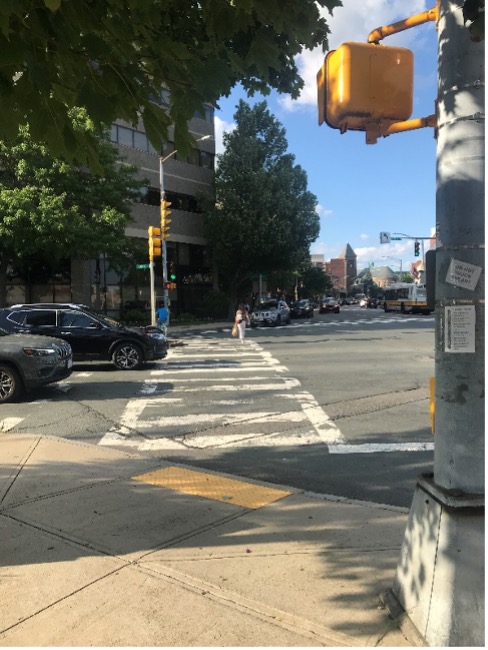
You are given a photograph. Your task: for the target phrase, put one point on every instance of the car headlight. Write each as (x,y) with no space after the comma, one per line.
(39,352)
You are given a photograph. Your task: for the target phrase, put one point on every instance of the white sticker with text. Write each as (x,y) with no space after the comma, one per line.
(462,274)
(460,329)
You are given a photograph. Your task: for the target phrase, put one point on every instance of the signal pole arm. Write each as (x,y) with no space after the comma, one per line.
(412,21)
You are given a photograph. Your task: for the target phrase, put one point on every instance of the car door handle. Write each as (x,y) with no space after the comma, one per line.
(66,333)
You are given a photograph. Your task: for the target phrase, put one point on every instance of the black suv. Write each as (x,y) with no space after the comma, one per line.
(91,335)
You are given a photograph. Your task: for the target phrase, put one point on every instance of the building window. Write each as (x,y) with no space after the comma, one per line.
(150,196)
(207,160)
(138,140)
(124,136)
(184,202)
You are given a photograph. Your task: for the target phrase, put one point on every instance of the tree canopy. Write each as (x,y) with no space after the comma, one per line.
(265,218)
(113,58)
(51,210)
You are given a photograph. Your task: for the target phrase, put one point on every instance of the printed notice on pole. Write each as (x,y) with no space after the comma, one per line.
(462,274)
(459,329)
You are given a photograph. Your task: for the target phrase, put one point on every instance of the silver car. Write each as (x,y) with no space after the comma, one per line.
(271,312)
(28,361)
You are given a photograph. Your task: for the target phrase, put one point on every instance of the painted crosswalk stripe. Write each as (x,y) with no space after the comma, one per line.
(9,423)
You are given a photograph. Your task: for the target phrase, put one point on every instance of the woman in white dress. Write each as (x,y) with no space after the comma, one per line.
(242,319)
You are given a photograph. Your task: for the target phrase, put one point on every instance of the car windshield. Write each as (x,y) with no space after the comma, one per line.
(301,303)
(269,304)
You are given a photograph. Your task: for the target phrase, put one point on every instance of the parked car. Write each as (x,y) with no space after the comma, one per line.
(301,309)
(28,362)
(91,336)
(271,312)
(363,302)
(329,305)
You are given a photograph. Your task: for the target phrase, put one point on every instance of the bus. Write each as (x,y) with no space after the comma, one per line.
(406,298)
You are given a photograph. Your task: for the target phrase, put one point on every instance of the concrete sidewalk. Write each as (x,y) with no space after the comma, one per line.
(104,548)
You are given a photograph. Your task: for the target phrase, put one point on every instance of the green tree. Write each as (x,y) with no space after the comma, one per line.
(309,281)
(315,282)
(51,210)
(265,218)
(112,58)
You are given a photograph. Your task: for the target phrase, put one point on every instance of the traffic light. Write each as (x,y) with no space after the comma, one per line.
(417,249)
(172,272)
(165,221)
(363,84)
(154,242)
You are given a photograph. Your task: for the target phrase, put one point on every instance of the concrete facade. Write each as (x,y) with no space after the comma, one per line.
(94,283)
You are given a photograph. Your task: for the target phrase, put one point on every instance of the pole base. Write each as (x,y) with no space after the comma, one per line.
(440,577)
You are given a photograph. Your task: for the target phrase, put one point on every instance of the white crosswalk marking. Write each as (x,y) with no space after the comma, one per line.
(164,416)
(9,423)
(188,405)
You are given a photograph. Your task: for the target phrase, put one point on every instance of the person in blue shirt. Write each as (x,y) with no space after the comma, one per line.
(162,315)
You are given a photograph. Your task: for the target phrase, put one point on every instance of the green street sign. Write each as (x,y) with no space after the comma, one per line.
(142,266)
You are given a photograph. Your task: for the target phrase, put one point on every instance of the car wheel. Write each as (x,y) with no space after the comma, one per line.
(277,321)
(11,386)
(127,356)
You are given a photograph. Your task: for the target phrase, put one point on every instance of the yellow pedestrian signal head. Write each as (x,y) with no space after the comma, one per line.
(363,84)
(155,244)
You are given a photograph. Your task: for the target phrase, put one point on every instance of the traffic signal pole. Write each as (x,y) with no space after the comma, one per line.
(440,576)
(164,255)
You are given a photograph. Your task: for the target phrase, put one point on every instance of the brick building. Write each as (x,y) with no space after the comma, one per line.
(343,270)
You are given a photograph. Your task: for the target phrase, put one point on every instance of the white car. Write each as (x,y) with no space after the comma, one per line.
(271,312)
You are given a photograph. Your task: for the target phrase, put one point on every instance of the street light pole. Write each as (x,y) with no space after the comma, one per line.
(397,259)
(164,249)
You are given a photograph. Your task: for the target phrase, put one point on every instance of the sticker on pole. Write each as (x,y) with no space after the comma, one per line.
(462,274)
(459,330)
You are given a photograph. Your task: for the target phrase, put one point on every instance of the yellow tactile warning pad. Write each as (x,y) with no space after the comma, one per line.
(212,486)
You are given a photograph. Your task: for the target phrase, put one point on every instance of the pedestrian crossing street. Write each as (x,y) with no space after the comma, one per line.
(339,321)
(219,394)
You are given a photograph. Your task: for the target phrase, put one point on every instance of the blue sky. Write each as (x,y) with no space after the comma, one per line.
(362,189)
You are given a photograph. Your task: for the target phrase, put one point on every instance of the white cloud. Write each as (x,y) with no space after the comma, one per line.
(393,255)
(353,22)
(221,126)
(364,237)
(323,211)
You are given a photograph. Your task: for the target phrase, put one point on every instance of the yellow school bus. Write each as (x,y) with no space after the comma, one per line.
(406,298)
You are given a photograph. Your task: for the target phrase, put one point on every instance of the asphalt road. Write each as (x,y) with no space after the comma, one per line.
(337,404)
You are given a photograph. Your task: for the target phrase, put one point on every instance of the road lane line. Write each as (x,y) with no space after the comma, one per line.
(375,448)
